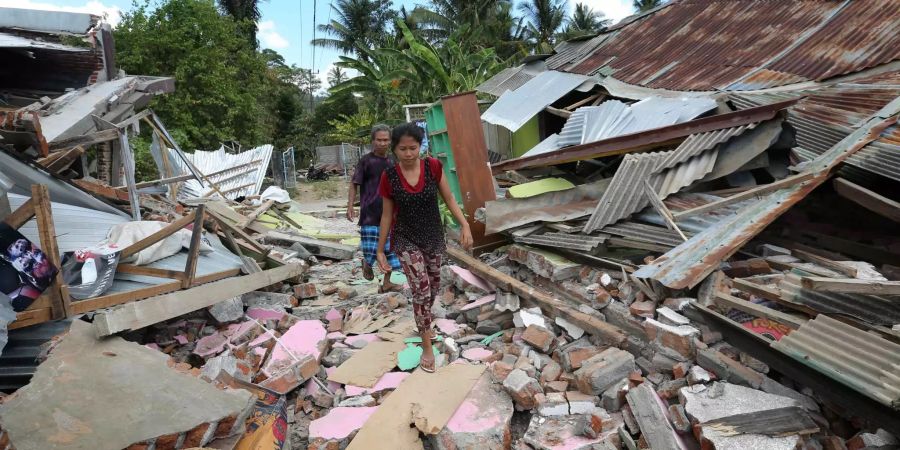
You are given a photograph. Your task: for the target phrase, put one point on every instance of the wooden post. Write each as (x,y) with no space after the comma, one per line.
(59,298)
(190,267)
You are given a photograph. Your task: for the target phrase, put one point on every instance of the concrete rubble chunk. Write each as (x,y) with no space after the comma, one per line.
(337,427)
(552,404)
(482,421)
(574,330)
(530,316)
(507,301)
(576,352)
(227,310)
(650,413)
(698,375)
(522,389)
(670,317)
(602,371)
(539,337)
(544,263)
(680,338)
(614,397)
(567,433)
(881,439)
(267,299)
(580,403)
(112,393)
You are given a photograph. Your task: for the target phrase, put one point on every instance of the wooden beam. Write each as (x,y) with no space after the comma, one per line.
(558,112)
(240,233)
(169,230)
(317,247)
(128,161)
(31,317)
(851,286)
(255,214)
(106,301)
(160,182)
(755,192)
(868,199)
(102,190)
(157,125)
(59,299)
(661,209)
(149,271)
(772,294)
(849,271)
(133,119)
(740,304)
(85,140)
(582,102)
(65,160)
(21,215)
(157,309)
(190,266)
(552,305)
(237,188)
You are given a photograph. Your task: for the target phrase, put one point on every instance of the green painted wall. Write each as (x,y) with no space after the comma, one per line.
(526,137)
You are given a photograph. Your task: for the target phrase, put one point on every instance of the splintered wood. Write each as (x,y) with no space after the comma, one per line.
(423,402)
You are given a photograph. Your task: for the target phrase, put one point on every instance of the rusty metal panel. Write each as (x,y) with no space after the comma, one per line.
(508,79)
(557,206)
(865,362)
(698,143)
(689,263)
(580,242)
(869,308)
(652,234)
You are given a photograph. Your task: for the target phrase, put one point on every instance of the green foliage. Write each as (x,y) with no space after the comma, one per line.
(224,87)
(646,5)
(544,19)
(352,129)
(585,22)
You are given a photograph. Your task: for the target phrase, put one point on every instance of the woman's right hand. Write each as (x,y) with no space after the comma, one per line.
(383,262)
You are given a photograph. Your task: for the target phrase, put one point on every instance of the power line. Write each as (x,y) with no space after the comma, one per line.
(330,7)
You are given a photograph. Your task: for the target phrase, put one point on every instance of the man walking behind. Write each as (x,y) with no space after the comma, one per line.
(366,177)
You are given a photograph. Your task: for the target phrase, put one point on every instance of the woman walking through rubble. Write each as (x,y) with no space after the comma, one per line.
(410,212)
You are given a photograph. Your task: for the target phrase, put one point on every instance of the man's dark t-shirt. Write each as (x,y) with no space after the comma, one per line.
(367,176)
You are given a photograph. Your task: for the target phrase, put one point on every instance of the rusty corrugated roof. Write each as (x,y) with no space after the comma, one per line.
(869,308)
(702,45)
(865,362)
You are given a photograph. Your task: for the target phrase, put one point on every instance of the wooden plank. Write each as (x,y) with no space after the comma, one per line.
(237,188)
(133,119)
(583,102)
(240,233)
(229,237)
(65,160)
(755,192)
(169,230)
(849,271)
(317,247)
(59,304)
(256,213)
(31,317)
(851,285)
(476,182)
(731,301)
(161,182)
(551,305)
(224,212)
(128,162)
(158,126)
(778,422)
(651,418)
(661,209)
(85,140)
(190,266)
(21,215)
(102,190)
(868,199)
(150,271)
(147,312)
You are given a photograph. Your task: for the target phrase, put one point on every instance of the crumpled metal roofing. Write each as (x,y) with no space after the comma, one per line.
(689,263)
(557,206)
(652,234)
(869,308)
(245,179)
(12,41)
(825,116)
(614,118)
(513,109)
(508,79)
(865,362)
(746,44)
(625,195)
(682,201)
(564,240)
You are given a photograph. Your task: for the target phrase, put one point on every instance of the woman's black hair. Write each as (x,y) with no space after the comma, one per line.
(407,129)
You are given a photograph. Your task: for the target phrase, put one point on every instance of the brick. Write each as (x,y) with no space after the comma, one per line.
(346,293)
(677,338)
(522,389)
(305,290)
(679,418)
(552,404)
(556,386)
(613,398)
(643,309)
(747,268)
(575,353)
(668,316)
(669,389)
(293,376)
(680,370)
(539,337)
(600,372)
(580,403)
(194,437)
(551,372)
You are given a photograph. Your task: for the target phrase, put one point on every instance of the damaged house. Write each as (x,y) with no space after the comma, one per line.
(685,237)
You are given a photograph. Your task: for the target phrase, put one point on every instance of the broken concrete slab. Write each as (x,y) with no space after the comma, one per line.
(482,420)
(113,393)
(466,281)
(338,425)
(227,310)
(574,330)
(427,400)
(565,433)
(720,400)
(543,263)
(306,337)
(390,380)
(267,299)
(522,389)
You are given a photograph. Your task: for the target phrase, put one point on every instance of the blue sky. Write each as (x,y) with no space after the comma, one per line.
(286,25)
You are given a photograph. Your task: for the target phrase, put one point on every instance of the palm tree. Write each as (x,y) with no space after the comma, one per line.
(359,24)
(244,10)
(645,5)
(336,76)
(442,17)
(544,19)
(585,22)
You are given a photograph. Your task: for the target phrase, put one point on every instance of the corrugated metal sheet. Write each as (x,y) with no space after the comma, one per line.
(865,362)
(706,45)
(625,195)
(570,53)
(557,206)
(12,41)
(581,242)
(18,360)
(689,263)
(687,200)
(244,180)
(515,108)
(508,79)
(869,308)
(645,233)
(547,145)
(698,143)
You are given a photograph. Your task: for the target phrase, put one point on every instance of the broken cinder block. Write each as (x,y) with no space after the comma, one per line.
(602,371)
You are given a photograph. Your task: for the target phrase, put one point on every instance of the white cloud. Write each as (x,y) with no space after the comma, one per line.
(614,9)
(112,14)
(269,36)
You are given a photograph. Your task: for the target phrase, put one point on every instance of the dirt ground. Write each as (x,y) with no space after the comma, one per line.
(321,195)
